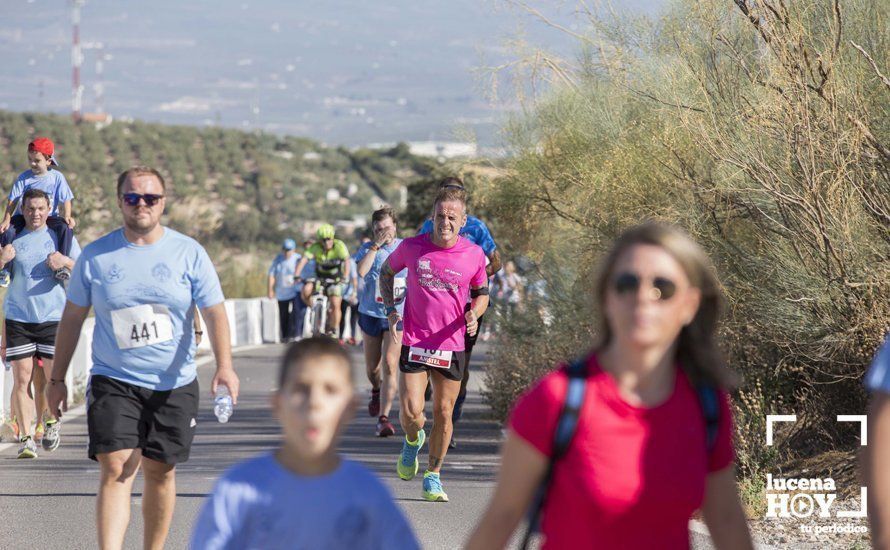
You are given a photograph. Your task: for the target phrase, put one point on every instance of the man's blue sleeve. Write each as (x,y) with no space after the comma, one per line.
(361,252)
(878,377)
(206,288)
(79,292)
(486,241)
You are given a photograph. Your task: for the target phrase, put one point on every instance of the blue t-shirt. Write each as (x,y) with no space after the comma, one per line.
(370,302)
(283,270)
(34,295)
(53,183)
(475,230)
(878,377)
(144,298)
(259,504)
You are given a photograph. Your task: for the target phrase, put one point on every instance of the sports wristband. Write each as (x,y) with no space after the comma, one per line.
(375,247)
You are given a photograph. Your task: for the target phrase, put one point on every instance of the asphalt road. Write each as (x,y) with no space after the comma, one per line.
(48,503)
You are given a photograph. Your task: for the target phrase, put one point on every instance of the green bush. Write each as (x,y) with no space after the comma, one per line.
(765,135)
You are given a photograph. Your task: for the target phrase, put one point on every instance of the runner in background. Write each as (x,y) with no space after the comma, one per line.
(32,308)
(282,288)
(350,304)
(381,349)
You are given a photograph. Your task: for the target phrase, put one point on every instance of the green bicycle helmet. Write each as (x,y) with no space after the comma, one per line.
(326,231)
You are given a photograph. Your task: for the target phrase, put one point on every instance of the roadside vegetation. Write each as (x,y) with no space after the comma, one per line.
(238,193)
(761,128)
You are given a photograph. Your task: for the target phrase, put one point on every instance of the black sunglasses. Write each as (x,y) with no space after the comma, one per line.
(625,283)
(132,199)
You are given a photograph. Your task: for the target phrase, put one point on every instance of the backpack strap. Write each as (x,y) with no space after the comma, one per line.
(566,426)
(571,409)
(709,401)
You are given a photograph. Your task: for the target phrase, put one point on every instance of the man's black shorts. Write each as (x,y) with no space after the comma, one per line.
(454,372)
(124,416)
(25,340)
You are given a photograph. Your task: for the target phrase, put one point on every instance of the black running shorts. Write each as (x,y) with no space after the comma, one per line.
(25,340)
(124,416)
(455,371)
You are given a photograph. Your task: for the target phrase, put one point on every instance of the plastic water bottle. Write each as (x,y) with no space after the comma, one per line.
(222,404)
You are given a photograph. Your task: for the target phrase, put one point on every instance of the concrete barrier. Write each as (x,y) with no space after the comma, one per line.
(251,321)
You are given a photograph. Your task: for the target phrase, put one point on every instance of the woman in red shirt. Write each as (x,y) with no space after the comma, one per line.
(638,465)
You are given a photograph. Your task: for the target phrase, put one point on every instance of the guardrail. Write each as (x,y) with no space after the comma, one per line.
(251,321)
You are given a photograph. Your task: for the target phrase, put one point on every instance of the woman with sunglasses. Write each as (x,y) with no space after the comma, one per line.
(642,457)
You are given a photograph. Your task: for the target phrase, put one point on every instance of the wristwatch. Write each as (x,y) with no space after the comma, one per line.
(375,247)
(390,310)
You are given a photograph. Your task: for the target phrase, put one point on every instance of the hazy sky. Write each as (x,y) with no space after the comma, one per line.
(342,71)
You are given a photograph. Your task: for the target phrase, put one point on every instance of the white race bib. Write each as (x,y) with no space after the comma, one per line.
(398,290)
(430,357)
(140,326)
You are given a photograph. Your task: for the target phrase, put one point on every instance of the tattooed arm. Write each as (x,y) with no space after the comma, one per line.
(387,285)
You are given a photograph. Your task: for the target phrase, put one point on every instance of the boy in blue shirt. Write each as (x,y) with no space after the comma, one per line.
(41,175)
(304,495)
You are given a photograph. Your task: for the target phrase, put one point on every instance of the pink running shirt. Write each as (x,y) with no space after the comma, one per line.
(632,476)
(439,281)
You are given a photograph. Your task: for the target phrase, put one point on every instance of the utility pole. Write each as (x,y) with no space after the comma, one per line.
(76,61)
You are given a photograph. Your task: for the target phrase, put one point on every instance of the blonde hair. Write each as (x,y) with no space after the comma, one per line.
(697,350)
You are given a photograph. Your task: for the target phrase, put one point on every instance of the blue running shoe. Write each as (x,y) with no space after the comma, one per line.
(432,488)
(408,465)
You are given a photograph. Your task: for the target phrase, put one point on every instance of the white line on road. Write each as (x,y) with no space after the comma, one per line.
(80,410)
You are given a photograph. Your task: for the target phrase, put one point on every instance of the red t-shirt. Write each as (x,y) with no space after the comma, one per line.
(632,476)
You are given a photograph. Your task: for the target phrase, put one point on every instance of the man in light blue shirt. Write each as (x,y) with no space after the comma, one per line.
(283,289)
(32,308)
(381,349)
(877,455)
(144,281)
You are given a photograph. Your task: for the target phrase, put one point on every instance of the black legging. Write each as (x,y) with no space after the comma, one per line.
(288,310)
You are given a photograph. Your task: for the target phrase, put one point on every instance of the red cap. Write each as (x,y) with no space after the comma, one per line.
(44,145)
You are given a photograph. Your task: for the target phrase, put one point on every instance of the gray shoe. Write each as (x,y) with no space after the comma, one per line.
(29,448)
(63,274)
(4,278)
(52,436)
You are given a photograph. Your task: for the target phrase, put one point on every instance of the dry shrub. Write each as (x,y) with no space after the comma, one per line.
(763,131)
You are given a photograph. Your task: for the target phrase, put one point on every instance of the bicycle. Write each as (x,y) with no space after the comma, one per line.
(316,316)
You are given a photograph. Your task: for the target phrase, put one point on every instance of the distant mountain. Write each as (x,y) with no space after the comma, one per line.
(341,71)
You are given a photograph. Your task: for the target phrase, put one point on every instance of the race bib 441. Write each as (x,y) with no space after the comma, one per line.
(430,357)
(140,326)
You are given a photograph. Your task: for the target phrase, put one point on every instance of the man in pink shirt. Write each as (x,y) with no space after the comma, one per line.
(443,270)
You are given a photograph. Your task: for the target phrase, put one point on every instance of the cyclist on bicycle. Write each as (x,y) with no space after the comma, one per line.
(331,269)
